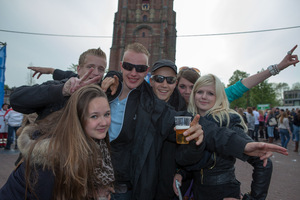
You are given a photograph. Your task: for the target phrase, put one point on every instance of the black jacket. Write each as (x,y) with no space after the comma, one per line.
(168,164)
(42,99)
(154,124)
(215,179)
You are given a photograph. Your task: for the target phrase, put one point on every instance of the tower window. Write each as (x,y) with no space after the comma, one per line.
(145,18)
(143,34)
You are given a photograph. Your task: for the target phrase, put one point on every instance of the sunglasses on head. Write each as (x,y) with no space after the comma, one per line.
(189,68)
(160,79)
(138,68)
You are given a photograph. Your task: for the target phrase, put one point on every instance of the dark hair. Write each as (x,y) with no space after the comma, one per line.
(189,74)
(4,105)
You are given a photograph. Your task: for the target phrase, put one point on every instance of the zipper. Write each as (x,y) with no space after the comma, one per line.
(201,176)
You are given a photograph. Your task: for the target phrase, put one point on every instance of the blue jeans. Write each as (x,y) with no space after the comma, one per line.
(11,135)
(296,133)
(285,137)
(271,131)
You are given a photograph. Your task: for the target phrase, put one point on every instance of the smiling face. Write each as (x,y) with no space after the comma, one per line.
(132,79)
(98,118)
(97,63)
(205,98)
(163,90)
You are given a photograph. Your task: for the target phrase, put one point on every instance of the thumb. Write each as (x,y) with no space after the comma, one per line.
(195,120)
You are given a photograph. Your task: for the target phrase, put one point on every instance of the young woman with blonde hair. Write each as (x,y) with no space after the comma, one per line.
(215,179)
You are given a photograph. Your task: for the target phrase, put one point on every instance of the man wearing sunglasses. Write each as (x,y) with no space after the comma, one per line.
(141,123)
(163,82)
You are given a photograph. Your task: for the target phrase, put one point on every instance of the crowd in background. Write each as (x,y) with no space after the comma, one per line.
(272,124)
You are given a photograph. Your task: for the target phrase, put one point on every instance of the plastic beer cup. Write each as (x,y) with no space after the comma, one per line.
(182,123)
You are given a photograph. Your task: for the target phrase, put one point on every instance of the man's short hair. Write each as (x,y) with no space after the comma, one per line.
(138,48)
(94,52)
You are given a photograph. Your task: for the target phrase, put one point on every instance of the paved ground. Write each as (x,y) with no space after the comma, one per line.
(285,184)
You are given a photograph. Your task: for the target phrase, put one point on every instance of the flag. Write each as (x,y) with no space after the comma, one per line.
(2,72)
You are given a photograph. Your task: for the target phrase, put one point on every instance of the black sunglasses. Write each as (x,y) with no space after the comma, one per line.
(138,68)
(160,79)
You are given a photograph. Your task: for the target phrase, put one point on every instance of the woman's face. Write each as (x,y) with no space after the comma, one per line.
(205,98)
(185,88)
(98,119)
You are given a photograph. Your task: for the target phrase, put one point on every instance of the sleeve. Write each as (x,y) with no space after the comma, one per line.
(60,74)
(30,99)
(235,91)
(190,154)
(223,140)
(261,177)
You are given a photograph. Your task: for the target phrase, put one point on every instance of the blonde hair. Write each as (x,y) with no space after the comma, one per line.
(138,48)
(94,52)
(282,116)
(220,111)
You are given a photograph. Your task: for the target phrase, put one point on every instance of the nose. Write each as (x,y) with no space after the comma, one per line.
(164,83)
(188,90)
(102,121)
(133,72)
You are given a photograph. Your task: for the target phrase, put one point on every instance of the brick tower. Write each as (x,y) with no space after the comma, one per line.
(150,22)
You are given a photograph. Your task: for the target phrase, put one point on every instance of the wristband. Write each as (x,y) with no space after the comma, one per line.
(273,69)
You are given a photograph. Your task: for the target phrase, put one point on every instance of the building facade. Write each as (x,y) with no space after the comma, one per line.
(150,22)
(291,98)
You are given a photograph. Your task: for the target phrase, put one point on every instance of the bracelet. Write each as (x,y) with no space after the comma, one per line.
(273,69)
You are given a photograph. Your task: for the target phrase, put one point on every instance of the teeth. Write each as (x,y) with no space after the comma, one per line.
(163,91)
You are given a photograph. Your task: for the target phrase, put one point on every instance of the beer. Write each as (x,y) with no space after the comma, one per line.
(182,123)
(180,138)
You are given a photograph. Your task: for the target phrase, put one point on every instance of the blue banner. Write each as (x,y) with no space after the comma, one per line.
(2,72)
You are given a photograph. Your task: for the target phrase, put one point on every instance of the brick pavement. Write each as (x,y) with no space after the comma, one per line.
(285,183)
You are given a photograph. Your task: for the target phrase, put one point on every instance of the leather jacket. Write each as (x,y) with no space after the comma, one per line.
(217,170)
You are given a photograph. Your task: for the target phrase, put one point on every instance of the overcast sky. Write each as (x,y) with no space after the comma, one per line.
(195,22)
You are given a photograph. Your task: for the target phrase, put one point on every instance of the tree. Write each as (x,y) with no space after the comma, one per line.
(73,67)
(30,79)
(280,88)
(241,102)
(296,86)
(263,93)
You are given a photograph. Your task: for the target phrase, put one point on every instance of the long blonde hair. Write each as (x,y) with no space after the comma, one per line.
(220,111)
(282,116)
(72,154)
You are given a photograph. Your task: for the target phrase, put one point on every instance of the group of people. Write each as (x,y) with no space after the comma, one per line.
(273,124)
(10,122)
(121,145)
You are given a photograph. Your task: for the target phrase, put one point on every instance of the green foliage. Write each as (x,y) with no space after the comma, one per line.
(241,102)
(263,93)
(73,67)
(296,86)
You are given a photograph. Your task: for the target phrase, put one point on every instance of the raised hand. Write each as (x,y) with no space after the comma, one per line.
(41,70)
(195,131)
(74,83)
(289,59)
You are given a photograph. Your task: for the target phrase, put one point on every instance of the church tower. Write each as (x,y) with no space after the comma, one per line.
(149,22)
